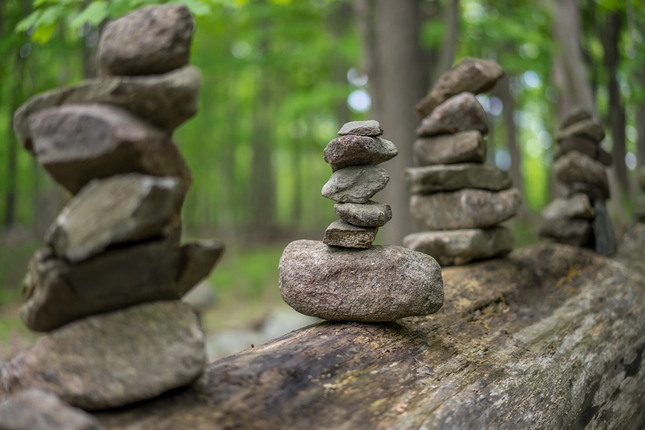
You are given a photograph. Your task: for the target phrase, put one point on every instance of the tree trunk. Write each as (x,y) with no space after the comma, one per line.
(508,103)
(640,125)
(449,45)
(549,338)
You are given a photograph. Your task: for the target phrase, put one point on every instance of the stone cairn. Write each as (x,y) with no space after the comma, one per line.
(106,289)
(580,218)
(639,201)
(455,196)
(344,277)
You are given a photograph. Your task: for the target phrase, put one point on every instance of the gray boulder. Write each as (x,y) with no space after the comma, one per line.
(148,41)
(340,233)
(355,184)
(346,151)
(449,177)
(577,167)
(570,231)
(383,283)
(361,128)
(370,214)
(575,206)
(465,147)
(459,113)
(589,128)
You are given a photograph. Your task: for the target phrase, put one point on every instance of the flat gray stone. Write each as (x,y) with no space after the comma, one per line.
(570,231)
(57,292)
(577,167)
(581,144)
(119,209)
(340,233)
(575,206)
(37,410)
(472,75)
(459,113)
(361,128)
(382,283)
(603,230)
(111,360)
(346,151)
(588,128)
(78,143)
(575,115)
(148,41)
(465,147)
(165,101)
(370,214)
(450,177)
(467,208)
(458,247)
(355,184)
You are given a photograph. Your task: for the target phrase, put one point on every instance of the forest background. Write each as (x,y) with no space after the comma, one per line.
(279,79)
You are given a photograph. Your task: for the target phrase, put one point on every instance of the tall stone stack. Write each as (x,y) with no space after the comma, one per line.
(639,201)
(456,198)
(344,277)
(580,218)
(106,288)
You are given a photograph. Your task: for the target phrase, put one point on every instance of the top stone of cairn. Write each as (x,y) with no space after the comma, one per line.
(361,128)
(358,145)
(149,41)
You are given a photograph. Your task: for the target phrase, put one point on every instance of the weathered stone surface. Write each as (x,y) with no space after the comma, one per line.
(575,206)
(110,360)
(639,207)
(577,167)
(459,113)
(56,292)
(458,247)
(37,410)
(361,128)
(148,41)
(570,231)
(581,144)
(119,209)
(588,128)
(355,184)
(472,75)
(449,177)
(370,214)
(340,233)
(383,283)
(78,143)
(467,208)
(603,230)
(346,151)
(465,147)
(576,114)
(165,101)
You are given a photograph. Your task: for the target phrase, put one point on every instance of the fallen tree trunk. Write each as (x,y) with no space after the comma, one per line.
(551,337)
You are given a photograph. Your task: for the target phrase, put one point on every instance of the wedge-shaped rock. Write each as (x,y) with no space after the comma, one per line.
(78,143)
(577,167)
(603,230)
(465,147)
(575,206)
(588,128)
(37,410)
(581,144)
(122,208)
(465,208)
(165,101)
(370,214)
(355,184)
(457,247)
(111,360)
(148,41)
(346,151)
(340,233)
(449,177)
(383,283)
(361,128)
(472,75)
(56,292)
(576,114)
(459,113)
(570,231)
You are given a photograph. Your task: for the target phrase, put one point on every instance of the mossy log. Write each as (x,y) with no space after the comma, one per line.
(551,337)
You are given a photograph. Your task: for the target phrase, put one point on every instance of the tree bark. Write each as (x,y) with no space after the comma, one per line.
(549,338)
(449,45)
(508,103)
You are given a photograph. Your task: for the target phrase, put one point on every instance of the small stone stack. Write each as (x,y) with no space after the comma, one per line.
(455,196)
(344,277)
(581,218)
(353,158)
(639,201)
(106,289)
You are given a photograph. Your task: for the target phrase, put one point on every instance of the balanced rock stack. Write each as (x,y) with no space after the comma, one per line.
(580,218)
(639,201)
(455,197)
(106,289)
(344,277)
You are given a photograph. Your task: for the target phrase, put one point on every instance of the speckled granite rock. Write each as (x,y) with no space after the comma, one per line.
(341,233)
(370,214)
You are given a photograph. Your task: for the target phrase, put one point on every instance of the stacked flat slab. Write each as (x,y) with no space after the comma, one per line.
(106,288)
(580,218)
(458,200)
(639,201)
(344,277)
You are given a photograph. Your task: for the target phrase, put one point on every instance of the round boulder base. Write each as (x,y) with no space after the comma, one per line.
(383,283)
